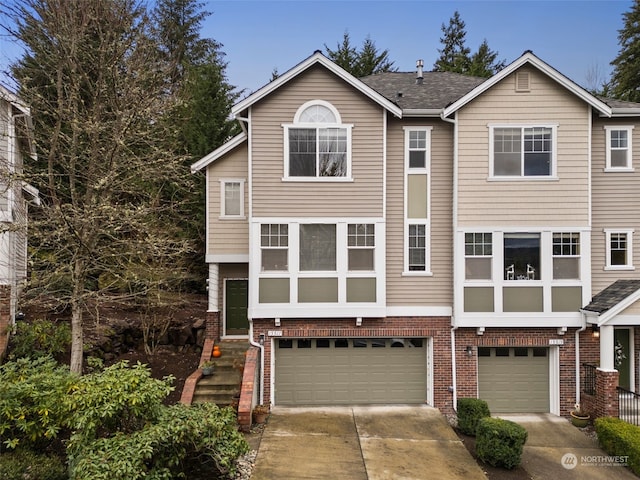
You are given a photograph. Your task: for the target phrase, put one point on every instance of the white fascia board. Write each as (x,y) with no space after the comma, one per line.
(625,112)
(524,320)
(311,310)
(421,112)
(218,152)
(606,317)
(14,100)
(32,192)
(304,65)
(531,59)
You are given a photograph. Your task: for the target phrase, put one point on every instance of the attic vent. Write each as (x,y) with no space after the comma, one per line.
(522,82)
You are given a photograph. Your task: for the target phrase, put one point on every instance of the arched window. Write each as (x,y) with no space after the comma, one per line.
(318,145)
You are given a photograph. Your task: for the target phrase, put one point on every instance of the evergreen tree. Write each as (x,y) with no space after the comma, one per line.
(360,63)
(94,76)
(454,55)
(625,78)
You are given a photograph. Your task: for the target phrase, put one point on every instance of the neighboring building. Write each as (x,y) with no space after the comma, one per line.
(16,144)
(421,237)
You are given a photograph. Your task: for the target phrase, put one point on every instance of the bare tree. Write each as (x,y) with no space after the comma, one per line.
(97,85)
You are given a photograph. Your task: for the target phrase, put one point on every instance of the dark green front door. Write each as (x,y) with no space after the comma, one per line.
(236,302)
(622,356)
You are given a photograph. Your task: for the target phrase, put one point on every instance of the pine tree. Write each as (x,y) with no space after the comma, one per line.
(360,63)
(454,55)
(625,78)
(483,63)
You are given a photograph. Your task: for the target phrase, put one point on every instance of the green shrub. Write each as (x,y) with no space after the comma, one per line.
(32,401)
(500,442)
(181,436)
(26,465)
(618,437)
(40,338)
(470,411)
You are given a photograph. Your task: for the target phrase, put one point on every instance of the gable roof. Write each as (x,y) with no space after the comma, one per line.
(613,299)
(528,58)
(435,92)
(315,59)
(219,152)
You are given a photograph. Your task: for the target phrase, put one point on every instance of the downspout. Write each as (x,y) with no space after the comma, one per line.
(577,341)
(261,347)
(252,342)
(454,223)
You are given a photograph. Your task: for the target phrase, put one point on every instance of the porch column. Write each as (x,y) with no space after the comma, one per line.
(214,328)
(606,348)
(214,287)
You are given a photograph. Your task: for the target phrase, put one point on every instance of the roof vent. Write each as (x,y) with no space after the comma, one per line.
(419,74)
(522,82)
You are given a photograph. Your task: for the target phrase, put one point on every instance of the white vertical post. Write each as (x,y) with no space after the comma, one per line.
(606,348)
(214,287)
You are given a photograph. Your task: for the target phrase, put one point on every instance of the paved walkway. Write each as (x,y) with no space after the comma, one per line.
(362,443)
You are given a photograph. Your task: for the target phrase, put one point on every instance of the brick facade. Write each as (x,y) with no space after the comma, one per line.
(214,328)
(5,318)
(436,328)
(467,366)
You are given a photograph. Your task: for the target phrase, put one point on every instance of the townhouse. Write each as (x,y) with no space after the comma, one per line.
(420,237)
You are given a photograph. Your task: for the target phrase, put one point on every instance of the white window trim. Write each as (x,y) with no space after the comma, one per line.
(629,233)
(426,222)
(553,176)
(629,129)
(297,124)
(488,281)
(223,183)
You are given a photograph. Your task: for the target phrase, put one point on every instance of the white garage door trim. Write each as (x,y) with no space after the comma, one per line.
(287,396)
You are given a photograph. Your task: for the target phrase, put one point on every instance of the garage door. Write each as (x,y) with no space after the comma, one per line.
(514,380)
(350,371)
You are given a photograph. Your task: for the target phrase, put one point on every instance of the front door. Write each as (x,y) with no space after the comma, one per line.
(236,300)
(622,356)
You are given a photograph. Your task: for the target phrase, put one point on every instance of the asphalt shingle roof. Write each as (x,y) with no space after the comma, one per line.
(437,90)
(612,295)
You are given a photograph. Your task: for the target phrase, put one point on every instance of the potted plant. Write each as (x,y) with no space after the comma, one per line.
(579,417)
(260,413)
(208,367)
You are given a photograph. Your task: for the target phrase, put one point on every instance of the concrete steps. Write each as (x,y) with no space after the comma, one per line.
(223,387)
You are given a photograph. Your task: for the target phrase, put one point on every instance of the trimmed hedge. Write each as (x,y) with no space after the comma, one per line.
(618,437)
(470,412)
(500,442)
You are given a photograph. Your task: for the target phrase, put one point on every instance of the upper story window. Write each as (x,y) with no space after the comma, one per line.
(317,144)
(232,198)
(478,251)
(619,245)
(522,256)
(566,256)
(274,247)
(317,247)
(361,245)
(618,154)
(522,151)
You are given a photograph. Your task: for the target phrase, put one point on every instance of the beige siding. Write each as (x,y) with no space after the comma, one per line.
(409,290)
(227,236)
(273,197)
(527,203)
(615,204)
(632,309)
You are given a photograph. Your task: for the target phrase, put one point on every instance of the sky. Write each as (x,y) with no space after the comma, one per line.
(577,37)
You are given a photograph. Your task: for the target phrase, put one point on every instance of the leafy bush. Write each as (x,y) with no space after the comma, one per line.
(500,442)
(40,338)
(181,435)
(618,437)
(119,399)
(27,465)
(470,411)
(32,401)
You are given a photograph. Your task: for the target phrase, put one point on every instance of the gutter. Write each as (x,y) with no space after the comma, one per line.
(577,341)
(253,343)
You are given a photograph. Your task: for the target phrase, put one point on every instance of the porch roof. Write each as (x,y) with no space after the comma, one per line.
(613,299)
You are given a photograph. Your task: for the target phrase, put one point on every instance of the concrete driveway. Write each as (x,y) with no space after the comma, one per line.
(556,449)
(362,443)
